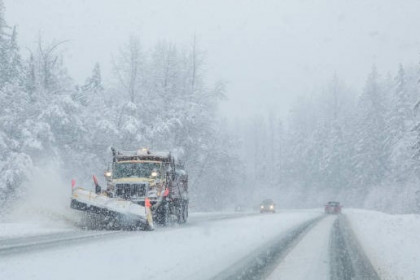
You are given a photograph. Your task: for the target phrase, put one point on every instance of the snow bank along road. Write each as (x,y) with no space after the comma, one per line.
(301,244)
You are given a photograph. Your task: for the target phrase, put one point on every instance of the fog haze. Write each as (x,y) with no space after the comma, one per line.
(113,120)
(262,50)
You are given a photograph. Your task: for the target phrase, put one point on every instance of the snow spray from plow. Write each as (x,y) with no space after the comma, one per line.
(43,199)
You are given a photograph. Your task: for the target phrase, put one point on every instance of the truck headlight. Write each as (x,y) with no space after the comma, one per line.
(108,175)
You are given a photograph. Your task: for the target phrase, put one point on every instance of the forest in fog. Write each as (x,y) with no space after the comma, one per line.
(357,145)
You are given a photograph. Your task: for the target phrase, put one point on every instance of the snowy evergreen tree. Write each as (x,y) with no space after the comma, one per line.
(401,137)
(370,160)
(128,68)
(10,60)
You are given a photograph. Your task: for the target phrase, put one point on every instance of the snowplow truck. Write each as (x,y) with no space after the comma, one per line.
(143,188)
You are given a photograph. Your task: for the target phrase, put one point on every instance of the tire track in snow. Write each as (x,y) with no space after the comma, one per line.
(40,242)
(347,258)
(28,244)
(260,263)
(310,257)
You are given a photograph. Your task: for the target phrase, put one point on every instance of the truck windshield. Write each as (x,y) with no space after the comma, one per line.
(135,169)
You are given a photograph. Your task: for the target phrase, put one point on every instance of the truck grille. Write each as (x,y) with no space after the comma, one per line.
(130,190)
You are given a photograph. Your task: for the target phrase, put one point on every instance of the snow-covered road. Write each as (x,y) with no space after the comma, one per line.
(309,254)
(211,244)
(198,250)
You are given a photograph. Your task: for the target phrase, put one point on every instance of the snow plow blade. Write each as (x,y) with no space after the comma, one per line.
(122,212)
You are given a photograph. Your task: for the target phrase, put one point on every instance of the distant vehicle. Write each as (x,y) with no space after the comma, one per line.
(267,206)
(333,207)
(239,208)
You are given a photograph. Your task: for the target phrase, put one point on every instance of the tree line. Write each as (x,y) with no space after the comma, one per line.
(360,147)
(158,98)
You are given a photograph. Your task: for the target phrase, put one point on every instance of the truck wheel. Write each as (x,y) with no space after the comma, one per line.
(184,213)
(165,216)
(180,214)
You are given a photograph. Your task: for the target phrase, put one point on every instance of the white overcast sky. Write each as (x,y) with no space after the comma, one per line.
(268,51)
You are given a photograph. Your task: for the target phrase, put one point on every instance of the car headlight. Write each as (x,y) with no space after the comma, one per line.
(271,206)
(262,206)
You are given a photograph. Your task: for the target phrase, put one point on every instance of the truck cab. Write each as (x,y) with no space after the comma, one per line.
(140,175)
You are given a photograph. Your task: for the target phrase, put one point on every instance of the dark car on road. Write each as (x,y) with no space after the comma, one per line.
(267,205)
(332,207)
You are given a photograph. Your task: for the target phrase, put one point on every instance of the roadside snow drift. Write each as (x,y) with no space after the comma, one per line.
(391,242)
